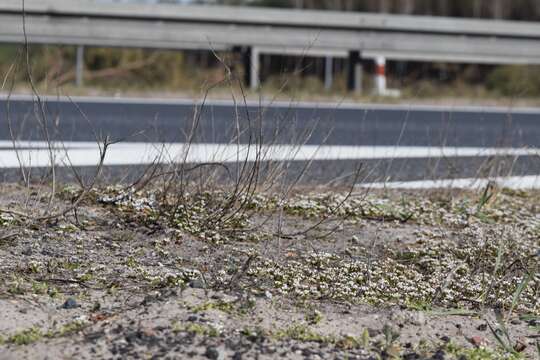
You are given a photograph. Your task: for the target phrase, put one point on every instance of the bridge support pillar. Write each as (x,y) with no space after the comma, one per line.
(79,66)
(328,72)
(354,72)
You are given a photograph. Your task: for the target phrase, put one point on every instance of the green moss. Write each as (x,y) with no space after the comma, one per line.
(69,328)
(480,353)
(131,262)
(25,337)
(224,306)
(33,334)
(254,333)
(39,287)
(197,329)
(314,317)
(67,265)
(303,333)
(17,285)
(86,277)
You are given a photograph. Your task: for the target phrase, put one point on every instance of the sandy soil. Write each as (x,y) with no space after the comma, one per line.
(389,275)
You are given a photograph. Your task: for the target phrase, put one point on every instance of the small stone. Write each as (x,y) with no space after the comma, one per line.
(96,306)
(411,356)
(131,337)
(148,332)
(515,322)
(197,284)
(148,299)
(481,327)
(192,318)
(439,355)
(70,303)
(212,353)
(96,317)
(477,341)
(520,346)
(445,338)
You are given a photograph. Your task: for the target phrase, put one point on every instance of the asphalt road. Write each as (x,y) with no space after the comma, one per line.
(332,124)
(355,126)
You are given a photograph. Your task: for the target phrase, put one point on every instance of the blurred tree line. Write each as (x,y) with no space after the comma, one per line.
(499,9)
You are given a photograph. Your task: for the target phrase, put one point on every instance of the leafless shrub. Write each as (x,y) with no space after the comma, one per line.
(46,128)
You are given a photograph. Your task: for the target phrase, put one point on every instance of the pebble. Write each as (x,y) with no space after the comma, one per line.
(439,355)
(481,327)
(520,346)
(70,303)
(213,353)
(477,341)
(197,284)
(411,356)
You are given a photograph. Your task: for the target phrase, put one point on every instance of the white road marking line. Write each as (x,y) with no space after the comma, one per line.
(36,154)
(511,182)
(310,105)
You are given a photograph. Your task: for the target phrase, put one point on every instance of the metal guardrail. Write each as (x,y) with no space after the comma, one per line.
(85,22)
(277,17)
(262,30)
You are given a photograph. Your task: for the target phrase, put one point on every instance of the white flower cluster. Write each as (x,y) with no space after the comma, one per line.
(455,274)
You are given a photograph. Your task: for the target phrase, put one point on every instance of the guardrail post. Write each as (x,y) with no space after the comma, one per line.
(79,66)
(380,75)
(245,53)
(328,72)
(358,77)
(255,66)
(354,72)
(251,62)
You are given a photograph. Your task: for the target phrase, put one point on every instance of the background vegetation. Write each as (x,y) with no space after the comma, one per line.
(119,70)
(501,9)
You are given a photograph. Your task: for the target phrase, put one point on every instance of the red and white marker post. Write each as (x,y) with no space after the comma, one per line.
(380,75)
